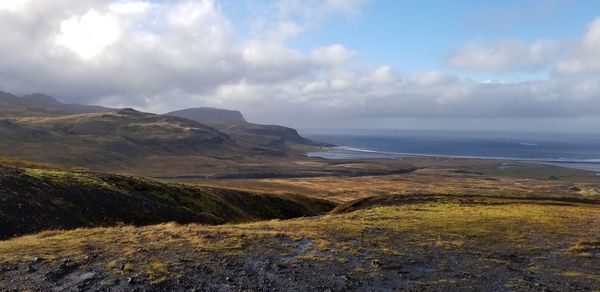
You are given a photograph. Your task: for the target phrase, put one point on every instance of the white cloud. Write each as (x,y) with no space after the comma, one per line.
(386,75)
(88,35)
(13,5)
(282,31)
(433,78)
(586,58)
(190,13)
(130,7)
(174,54)
(505,56)
(332,55)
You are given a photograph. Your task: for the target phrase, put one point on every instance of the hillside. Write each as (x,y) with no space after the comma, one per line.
(209,114)
(108,139)
(266,139)
(40,105)
(452,224)
(36,199)
(204,141)
(473,243)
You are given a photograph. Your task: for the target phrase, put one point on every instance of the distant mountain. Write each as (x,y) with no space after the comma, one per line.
(209,114)
(262,138)
(93,139)
(12,106)
(39,128)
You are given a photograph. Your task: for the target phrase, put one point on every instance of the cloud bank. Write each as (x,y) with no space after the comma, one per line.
(162,56)
(505,56)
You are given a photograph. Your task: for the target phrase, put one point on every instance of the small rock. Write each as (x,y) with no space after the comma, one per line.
(38,260)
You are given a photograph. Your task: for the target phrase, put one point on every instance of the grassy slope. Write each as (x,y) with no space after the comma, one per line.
(34,199)
(486,243)
(127,141)
(432,229)
(427,181)
(108,140)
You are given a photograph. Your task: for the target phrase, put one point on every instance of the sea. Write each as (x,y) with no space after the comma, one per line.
(579,151)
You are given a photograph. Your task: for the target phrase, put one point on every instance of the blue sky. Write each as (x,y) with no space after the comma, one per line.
(417,35)
(529,65)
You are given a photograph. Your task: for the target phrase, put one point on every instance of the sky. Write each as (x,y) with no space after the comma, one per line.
(527,65)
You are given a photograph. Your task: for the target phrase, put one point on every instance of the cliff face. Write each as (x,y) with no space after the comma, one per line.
(265,139)
(209,114)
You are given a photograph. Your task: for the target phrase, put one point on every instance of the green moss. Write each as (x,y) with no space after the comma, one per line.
(66,178)
(62,203)
(105,200)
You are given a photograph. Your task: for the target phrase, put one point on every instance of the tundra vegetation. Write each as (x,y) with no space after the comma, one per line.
(119,200)
(451,228)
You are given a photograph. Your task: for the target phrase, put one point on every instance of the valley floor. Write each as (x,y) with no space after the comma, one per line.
(453,227)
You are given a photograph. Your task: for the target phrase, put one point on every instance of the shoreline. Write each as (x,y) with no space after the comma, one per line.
(347,152)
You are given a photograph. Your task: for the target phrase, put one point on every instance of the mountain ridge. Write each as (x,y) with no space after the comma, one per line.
(48,131)
(38,104)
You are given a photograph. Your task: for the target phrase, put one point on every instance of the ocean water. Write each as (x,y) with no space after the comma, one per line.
(570,150)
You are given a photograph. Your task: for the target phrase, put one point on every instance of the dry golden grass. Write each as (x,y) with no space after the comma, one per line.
(538,227)
(385,229)
(558,239)
(433,181)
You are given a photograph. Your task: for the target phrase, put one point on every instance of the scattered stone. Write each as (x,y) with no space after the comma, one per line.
(38,260)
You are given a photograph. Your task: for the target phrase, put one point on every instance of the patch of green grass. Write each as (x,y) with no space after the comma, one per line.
(536,172)
(66,178)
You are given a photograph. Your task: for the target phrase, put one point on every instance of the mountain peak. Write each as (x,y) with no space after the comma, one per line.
(128,111)
(40,98)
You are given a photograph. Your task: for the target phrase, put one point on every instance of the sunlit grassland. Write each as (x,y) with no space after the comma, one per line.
(484,230)
(433,181)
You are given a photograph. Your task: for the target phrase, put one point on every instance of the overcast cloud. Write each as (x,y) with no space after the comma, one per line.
(177,54)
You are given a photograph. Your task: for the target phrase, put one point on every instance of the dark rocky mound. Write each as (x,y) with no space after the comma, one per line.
(33,200)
